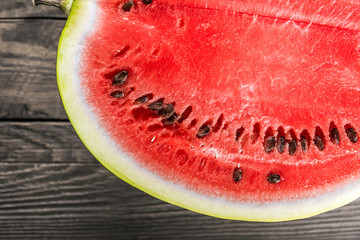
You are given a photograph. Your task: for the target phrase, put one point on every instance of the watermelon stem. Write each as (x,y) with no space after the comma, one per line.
(64,5)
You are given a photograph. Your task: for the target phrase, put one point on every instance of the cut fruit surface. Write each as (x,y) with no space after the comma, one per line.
(236,109)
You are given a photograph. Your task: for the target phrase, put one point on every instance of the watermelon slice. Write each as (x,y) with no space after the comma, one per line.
(240,109)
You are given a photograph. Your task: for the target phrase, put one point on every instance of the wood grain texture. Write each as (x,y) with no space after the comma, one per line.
(27,69)
(24,9)
(50,186)
(83,200)
(39,142)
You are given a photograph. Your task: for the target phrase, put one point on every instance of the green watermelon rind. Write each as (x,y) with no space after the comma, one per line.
(81,22)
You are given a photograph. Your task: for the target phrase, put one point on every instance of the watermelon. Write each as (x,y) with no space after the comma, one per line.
(239,109)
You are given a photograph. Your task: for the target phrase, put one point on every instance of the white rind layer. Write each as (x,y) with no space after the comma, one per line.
(82,21)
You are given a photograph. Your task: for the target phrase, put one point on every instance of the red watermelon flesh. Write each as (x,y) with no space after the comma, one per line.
(241,76)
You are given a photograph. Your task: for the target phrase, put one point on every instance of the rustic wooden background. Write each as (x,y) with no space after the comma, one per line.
(51,186)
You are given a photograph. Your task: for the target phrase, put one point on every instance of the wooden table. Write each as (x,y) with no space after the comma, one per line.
(52,187)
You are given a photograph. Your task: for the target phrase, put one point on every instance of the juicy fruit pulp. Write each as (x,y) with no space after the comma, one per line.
(250,102)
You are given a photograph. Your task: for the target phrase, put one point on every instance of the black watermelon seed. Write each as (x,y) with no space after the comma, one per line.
(239,133)
(269,144)
(127,6)
(303,143)
(166,110)
(203,131)
(319,143)
(237,175)
(273,178)
(117,94)
(280,144)
(142,99)
(292,147)
(352,135)
(185,114)
(120,78)
(335,136)
(171,120)
(147,1)
(155,106)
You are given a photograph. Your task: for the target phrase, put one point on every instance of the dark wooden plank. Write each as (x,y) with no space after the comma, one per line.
(27,69)
(40,142)
(24,8)
(51,186)
(85,201)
